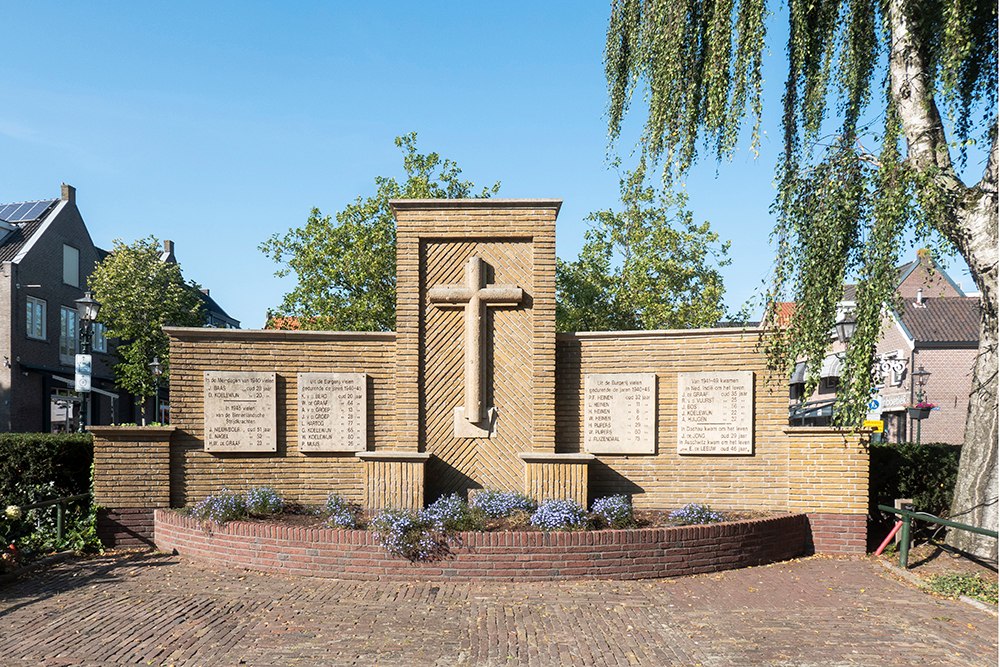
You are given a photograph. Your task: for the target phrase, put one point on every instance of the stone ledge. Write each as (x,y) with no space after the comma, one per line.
(202,333)
(424,204)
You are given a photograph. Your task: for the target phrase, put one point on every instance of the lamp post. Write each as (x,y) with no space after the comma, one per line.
(88,308)
(156,368)
(920,377)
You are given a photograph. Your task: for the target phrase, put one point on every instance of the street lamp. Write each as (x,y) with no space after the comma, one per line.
(920,377)
(156,368)
(87,307)
(845,327)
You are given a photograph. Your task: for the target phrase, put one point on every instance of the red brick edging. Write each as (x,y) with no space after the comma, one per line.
(639,553)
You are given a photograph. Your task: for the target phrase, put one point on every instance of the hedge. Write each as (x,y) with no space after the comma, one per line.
(925,473)
(29,460)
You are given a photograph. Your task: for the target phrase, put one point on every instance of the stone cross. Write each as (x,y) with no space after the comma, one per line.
(474,297)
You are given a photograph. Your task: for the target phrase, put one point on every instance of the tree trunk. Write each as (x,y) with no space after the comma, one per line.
(970,224)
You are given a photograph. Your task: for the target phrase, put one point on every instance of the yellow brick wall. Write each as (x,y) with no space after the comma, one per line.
(131,466)
(666,479)
(827,471)
(306,478)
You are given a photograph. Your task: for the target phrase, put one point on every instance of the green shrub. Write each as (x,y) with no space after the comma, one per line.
(60,461)
(925,473)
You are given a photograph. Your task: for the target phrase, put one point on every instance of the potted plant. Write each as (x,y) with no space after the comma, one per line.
(921,410)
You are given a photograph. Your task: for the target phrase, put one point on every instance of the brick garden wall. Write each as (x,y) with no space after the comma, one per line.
(300,477)
(517,556)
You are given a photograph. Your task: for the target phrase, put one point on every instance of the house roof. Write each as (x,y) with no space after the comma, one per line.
(944,319)
(22,229)
(902,273)
(213,308)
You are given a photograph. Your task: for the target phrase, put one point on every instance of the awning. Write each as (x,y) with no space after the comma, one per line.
(811,410)
(799,374)
(831,366)
(72,383)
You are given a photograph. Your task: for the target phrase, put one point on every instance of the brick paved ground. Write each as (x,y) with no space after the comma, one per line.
(163,610)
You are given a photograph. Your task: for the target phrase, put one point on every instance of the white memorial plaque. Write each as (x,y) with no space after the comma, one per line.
(620,413)
(240,411)
(333,412)
(715,413)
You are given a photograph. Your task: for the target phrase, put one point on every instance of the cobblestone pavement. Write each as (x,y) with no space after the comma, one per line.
(165,610)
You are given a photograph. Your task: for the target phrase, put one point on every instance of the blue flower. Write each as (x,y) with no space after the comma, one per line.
(559,515)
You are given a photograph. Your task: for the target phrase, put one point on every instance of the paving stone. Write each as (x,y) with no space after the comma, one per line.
(156,609)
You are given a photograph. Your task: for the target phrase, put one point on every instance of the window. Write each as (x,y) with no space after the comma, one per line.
(69,335)
(100,338)
(71,266)
(36,318)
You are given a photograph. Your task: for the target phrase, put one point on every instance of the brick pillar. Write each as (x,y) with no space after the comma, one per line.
(131,479)
(828,481)
(394,479)
(556,476)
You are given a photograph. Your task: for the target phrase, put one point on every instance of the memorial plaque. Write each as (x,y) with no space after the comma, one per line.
(620,413)
(333,412)
(715,413)
(240,412)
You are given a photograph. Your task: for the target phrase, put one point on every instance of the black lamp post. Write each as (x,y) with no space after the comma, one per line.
(156,368)
(87,307)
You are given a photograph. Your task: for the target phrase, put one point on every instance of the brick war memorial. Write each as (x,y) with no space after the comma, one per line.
(476,390)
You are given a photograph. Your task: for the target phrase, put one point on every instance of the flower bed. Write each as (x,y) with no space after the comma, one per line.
(632,553)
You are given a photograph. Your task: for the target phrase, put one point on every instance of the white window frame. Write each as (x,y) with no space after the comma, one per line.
(71,265)
(69,335)
(36,316)
(100,338)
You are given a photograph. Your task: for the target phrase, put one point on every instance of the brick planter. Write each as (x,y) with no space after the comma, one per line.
(640,553)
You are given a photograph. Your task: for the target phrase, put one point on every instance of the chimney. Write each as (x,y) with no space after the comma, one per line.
(68,193)
(205,291)
(167,256)
(920,298)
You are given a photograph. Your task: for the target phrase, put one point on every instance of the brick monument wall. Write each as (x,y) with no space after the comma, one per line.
(301,477)
(516,241)
(818,471)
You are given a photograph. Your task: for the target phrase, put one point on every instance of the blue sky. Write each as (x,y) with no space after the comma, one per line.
(217,125)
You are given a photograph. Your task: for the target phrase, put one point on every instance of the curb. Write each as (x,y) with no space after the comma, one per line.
(922,585)
(52,559)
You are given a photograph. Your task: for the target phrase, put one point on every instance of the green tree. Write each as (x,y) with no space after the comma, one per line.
(140,295)
(842,210)
(346,267)
(648,266)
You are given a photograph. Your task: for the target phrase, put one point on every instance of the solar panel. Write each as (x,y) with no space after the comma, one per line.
(24,211)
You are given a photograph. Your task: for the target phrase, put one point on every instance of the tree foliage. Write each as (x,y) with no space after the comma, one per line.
(139,295)
(346,265)
(866,162)
(648,266)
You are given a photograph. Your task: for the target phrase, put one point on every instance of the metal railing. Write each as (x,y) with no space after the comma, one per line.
(60,504)
(908,516)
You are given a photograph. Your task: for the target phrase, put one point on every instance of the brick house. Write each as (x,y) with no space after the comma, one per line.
(46,256)
(935,327)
